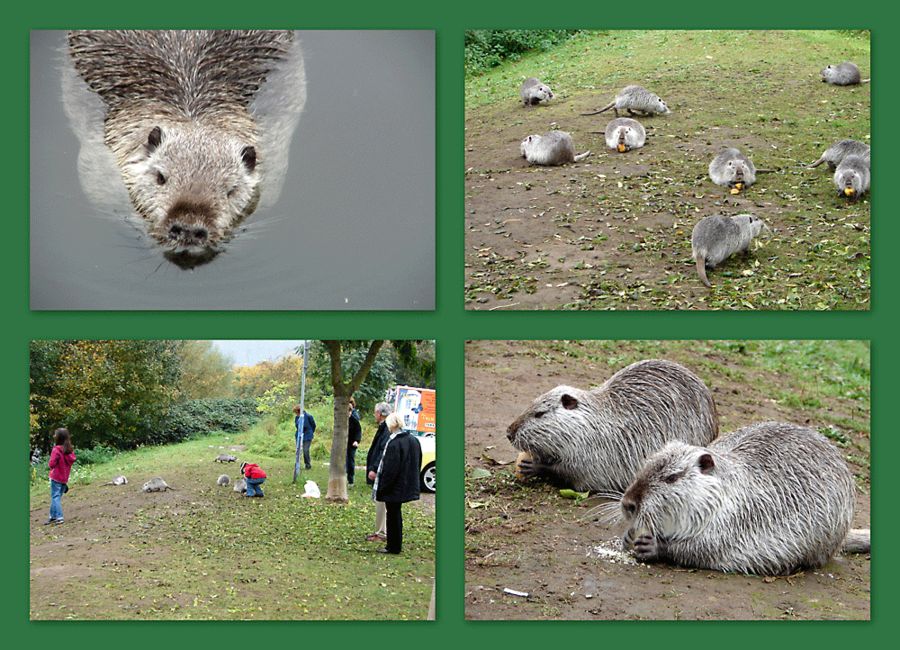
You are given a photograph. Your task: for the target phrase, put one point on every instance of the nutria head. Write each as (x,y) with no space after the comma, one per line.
(193,184)
(556,425)
(675,494)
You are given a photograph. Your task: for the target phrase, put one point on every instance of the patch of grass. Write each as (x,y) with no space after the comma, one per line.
(220,556)
(757,89)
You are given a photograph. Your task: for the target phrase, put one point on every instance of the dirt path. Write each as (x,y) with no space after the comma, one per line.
(204,552)
(614,231)
(525,537)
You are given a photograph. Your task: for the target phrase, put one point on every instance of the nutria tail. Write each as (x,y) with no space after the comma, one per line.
(817,163)
(602,110)
(701,270)
(582,156)
(865,81)
(857,541)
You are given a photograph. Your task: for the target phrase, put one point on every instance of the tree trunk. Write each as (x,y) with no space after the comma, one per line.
(337,467)
(343,391)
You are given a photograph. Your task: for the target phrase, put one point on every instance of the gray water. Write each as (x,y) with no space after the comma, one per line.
(353,227)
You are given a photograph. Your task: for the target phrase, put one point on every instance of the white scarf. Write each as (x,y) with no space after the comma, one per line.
(381,464)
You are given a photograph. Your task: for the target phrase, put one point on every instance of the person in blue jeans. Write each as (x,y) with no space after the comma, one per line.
(304,425)
(62,457)
(255,477)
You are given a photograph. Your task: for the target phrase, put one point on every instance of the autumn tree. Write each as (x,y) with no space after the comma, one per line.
(346,380)
(105,392)
(205,371)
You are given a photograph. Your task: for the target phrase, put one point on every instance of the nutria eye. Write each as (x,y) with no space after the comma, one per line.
(539,414)
(160,179)
(569,402)
(671,478)
(231,192)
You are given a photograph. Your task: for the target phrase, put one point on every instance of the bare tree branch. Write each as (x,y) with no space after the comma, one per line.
(363,371)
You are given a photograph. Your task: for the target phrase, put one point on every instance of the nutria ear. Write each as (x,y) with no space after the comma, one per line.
(248,157)
(154,138)
(706,463)
(569,402)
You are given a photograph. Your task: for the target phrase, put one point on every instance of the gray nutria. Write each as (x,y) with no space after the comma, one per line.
(553,148)
(156,485)
(716,238)
(598,439)
(733,170)
(223,480)
(842,74)
(852,177)
(635,100)
(624,134)
(225,458)
(534,92)
(834,154)
(768,499)
(118,480)
(240,485)
(179,125)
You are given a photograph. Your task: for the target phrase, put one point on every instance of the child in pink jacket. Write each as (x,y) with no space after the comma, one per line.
(61,459)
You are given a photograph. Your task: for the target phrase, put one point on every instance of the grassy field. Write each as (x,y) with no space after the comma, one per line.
(614,231)
(526,536)
(203,552)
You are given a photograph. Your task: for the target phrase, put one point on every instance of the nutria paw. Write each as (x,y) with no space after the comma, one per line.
(646,548)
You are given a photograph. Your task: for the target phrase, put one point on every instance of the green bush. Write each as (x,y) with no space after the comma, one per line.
(488,48)
(95,455)
(200,416)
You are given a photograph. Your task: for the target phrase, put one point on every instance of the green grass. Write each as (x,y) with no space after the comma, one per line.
(214,555)
(759,88)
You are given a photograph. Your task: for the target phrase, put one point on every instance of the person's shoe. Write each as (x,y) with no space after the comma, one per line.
(385,550)
(58,521)
(382,550)
(309,467)
(375,537)
(53,521)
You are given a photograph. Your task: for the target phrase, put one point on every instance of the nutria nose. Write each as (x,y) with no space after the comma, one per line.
(511,431)
(194,235)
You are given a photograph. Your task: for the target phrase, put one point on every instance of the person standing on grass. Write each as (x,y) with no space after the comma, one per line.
(376,450)
(397,479)
(306,427)
(62,456)
(255,477)
(354,437)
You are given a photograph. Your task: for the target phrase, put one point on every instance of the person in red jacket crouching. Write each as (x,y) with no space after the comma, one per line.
(62,457)
(255,477)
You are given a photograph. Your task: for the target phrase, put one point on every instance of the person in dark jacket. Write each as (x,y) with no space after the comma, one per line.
(397,479)
(354,437)
(376,450)
(308,431)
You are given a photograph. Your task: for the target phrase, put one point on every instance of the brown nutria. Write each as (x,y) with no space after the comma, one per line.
(179,124)
(598,439)
(767,499)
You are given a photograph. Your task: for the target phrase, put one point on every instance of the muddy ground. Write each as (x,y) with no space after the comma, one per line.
(526,537)
(204,552)
(613,232)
